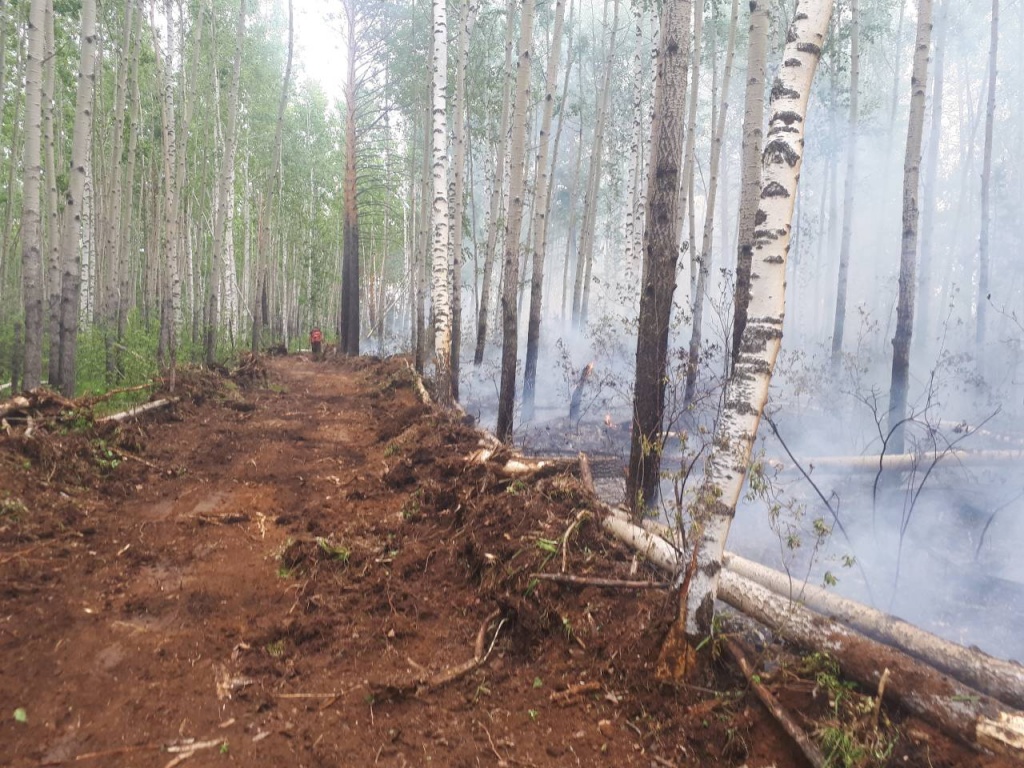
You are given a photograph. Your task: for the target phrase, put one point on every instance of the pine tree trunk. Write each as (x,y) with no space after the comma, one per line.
(33,289)
(510,271)
(747,386)
(750,182)
(704,261)
(839,324)
(440,290)
(540,216)
(661,252)
(71,281)
(494,218)
(908,256)
(986,209)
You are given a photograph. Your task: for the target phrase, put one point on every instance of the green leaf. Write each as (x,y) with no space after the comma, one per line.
(21,715)
(538,683)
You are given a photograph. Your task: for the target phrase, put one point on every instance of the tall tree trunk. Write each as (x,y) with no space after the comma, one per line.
(510,272)
(661,252)
(440,290)
(497,191)
(461,116)
(52,233)
(588,229)
(747,386)
(540,216)
(31,235)
(633,175)
(986,212)
(71,252)
(839,324)
(224,208)
(704,261)
(261,310)
(689,158)
(350,331)
(908,256)
(929,194)
(750,182)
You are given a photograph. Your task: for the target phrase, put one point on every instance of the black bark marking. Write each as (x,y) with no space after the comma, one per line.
(781,91)
(778,151)
(811,48)
(760,217)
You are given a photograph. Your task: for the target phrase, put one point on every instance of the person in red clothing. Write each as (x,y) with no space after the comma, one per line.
(316,343)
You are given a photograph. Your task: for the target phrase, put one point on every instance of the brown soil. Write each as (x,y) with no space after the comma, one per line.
(301,570)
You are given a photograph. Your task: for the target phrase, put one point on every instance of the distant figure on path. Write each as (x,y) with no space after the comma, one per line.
(316,343)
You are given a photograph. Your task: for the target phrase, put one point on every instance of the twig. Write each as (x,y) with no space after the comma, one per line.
(795,732)
(574,692)
(20,553)
(595,581)
(572,526)
(481,635)
(881,692)
(121,391)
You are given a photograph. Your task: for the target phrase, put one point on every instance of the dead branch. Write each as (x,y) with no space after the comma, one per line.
(573,692)
(789,725)
(481,635)
(115,392)
(580,516)
(18,403)
(594,581)
(136,411)
(905,462)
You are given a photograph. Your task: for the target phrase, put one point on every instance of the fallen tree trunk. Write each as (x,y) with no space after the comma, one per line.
(136,411)
(18,403)
(973,717)
(1003,680)
(902,462)
(946,703)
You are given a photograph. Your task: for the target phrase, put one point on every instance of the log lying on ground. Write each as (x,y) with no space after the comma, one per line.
(952,706)
(903,462)
(519,466)
(136,411)
(1003,680)
(963,428)
(18,403)
(949,705)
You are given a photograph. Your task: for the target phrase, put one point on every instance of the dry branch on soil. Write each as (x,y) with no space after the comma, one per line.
(789,725)
(138,410)
(904,462)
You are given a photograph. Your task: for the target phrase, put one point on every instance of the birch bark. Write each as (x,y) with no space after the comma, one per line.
(986,207)
(747,387)
(440,291)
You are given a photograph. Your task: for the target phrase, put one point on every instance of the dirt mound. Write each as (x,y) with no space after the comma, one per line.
(327,572)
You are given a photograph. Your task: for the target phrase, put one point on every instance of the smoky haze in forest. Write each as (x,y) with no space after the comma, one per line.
(937,542)
(297,204)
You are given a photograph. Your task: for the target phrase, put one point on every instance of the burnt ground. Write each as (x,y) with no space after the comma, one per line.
(299,570)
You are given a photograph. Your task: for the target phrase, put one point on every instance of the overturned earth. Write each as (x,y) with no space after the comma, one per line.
(303,564)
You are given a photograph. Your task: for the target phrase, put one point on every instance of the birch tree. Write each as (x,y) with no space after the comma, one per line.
(839,323)
(704,261)
(986,205)
(540,215)
(750,182)
(510,277)
(467,21)
(71,279)
(31,232)
(497,193)
(661,252)
(440,295)
(900,379)
(747,386)
(223,206)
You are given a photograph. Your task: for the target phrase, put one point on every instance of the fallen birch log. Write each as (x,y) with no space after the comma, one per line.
(946,703)
(136,411)
(902,462)
(973,717)
(1003,680)
(18,403)
(518,466)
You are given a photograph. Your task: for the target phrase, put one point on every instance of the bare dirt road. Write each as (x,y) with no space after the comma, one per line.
(306,571)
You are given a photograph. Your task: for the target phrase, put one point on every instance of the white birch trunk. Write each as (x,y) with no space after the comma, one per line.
(71,250)
(747,387)
(440,293)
